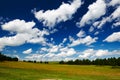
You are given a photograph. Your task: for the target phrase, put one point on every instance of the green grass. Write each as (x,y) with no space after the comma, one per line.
(36,71)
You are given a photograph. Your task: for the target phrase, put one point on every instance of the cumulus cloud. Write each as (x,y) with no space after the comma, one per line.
(93,54)
(69,53)
(81,34)
(101,52)
(95,11)
(27,51)
(19,26)
(86,40)
(113,37)
(114,2)
(87,53)
(24,33)
(91,29)
(53,49)
(61,54)
(117,24)
(62,14)
(115,15)
(66,52)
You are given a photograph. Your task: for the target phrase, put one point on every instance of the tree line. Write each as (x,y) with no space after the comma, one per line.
(7,58)
(106,61)
(45,62)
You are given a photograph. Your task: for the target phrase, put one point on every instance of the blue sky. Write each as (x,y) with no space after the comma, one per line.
(57,30)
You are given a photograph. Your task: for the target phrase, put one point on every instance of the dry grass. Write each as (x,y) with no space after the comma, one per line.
(68,70)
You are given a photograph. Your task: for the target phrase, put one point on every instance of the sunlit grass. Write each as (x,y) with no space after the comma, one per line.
(37,71)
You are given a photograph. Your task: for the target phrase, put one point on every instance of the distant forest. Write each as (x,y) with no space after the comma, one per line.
(106,61)
(7,58)
(109,61)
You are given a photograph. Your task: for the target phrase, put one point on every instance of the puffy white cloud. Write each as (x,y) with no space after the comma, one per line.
(81,34)
(87,53)
(102,22)
(116,13)
(24,33)
(68,54)
(87,40)
(37,36)
(91,29)
(117,24)
(19,26)
(44,49)
(16,40)
(71,39)
(64,40)
(96,33)
(27,51)
(62,14)
(33,57)
(62,54)
(114,2)
(96,10)
(53,49)
(101,53)
(113,37)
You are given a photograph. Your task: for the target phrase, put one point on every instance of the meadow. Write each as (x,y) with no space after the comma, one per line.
(55,71)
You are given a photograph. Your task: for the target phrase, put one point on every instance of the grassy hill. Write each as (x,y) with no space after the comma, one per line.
(37,71)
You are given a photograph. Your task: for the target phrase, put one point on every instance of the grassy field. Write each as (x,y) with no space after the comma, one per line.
(37,71)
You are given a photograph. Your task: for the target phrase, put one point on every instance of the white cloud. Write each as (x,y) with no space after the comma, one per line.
(102,22)
(116,13)
(53,49)
(65,52)
(62,53)
(87,53)
(96,10)
(64,40)
(19,26)
(101,53)
(44,49)
(114,2)
(13,41)
(96,33)
(68,54)
(37,36)
(71,39)
(87,40)
(91,29)
(27,51)
(62,14)
(113,37)
(24,33)
(33,57)
(117,24)
(81,34)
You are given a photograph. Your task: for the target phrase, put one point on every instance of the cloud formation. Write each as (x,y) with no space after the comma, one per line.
(27,51)
(24,33)
(86,40)
(69,53)
(94,54)
(113,37)
(114,2)
(62,14)
(95,11)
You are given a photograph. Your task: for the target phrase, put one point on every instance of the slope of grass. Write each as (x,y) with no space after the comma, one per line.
(36,71)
